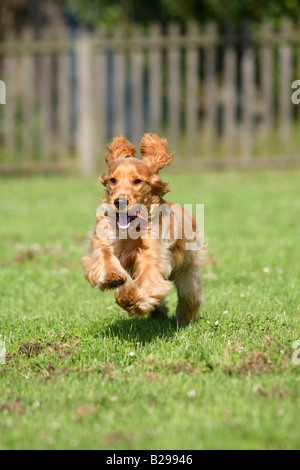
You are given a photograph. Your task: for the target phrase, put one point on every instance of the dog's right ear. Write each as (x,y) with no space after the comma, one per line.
(119,147)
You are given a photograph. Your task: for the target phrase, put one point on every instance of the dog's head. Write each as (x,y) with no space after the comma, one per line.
(131,182)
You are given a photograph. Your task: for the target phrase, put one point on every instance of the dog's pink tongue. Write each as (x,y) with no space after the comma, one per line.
(144,222)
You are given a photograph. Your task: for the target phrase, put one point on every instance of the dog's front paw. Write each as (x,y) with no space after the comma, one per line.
(134,300)
(110,280)
(127,297)
(97,277)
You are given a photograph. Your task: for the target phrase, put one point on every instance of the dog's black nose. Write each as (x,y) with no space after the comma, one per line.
(121,203)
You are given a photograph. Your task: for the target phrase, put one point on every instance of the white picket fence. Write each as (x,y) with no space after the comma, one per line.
(221,98)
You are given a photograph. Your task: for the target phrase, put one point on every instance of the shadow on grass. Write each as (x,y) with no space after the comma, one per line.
(141,330)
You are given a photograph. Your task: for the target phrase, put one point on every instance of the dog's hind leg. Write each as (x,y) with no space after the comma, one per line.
(188,283)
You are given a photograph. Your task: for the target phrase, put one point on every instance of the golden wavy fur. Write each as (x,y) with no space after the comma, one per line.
(141,269)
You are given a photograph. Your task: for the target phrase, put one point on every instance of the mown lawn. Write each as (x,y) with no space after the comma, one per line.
(81,374)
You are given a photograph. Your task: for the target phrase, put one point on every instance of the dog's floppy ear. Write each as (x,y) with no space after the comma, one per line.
(155,153)
(159,188)
(119,147)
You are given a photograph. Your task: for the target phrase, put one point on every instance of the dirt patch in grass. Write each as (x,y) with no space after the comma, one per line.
(105,370)
(236,347)
(277,392)
(280,392)
(30,254)
(113,438)
(85,410)
(152,365)
(151,376)
(35,347)
(256,362)
(260,363)
(271,356)
(179,366)
(15,406)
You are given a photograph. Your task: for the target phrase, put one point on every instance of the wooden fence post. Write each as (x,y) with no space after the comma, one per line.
(101,99)
(174,75)
(192,91)
(46,103)
(267,82)
(64,97)
(211,91)
(230,92)
(285,82)
(137,62)
(86,121)
(29,101)
(247,98)
(155,81)
(119,88)
(10,109)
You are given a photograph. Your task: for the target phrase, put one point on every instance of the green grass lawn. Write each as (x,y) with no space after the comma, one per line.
(81,374)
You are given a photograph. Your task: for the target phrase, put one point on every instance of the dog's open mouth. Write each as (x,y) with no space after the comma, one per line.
(126,221)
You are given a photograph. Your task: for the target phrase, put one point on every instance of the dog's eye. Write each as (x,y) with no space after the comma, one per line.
(137,181)
(113,180)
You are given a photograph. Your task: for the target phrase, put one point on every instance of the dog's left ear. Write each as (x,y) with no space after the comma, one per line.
(155,153)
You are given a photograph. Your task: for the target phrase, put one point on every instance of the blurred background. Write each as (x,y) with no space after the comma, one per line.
(215,79)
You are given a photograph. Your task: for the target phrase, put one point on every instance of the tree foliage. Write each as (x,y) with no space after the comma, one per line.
(11,13)
(94,12)
(15,13)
